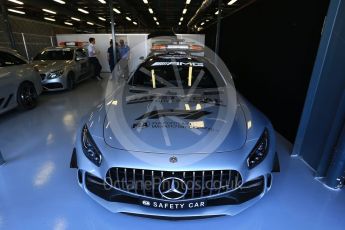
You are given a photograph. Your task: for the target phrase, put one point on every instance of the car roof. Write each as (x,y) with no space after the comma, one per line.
(60,48)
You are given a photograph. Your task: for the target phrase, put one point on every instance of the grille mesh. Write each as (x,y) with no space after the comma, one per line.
(199,184)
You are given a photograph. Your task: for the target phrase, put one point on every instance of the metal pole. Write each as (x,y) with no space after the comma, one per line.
(26,49)
(51,41)
(7,25)
(218,26)
(2,161)
(112,29)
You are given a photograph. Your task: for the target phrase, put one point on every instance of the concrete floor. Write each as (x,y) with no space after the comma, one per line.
(38,190)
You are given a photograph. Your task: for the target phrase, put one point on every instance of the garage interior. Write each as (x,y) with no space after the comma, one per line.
(286,58)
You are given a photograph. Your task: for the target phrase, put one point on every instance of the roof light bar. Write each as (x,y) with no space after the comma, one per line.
(16,11)
(232,2)
(49,19)
(60,1)
(83,11)
(17,2)
(75,19)
(49,11)
(116,11)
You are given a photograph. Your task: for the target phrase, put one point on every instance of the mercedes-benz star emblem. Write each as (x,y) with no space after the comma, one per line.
(173,159)
(172,188)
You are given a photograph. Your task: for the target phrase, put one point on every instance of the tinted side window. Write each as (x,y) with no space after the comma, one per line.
(81,53)
(7,59)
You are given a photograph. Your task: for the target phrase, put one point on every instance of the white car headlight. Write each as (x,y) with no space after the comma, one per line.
(55,74)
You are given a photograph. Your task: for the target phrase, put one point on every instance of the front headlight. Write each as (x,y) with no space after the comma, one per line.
(259,152)
(89,147)
(55,74)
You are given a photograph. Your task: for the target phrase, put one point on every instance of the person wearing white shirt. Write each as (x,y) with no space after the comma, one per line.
(93,58)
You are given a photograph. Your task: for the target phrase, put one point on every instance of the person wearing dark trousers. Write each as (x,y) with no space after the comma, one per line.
(111,55)
(93,58)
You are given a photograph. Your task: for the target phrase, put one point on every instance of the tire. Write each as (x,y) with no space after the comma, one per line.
(26,96)
(70,81)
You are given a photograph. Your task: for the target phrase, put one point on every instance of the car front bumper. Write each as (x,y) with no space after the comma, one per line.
(230,203)
(55,84)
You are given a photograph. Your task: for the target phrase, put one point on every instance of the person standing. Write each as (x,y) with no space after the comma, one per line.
(93,58)
(111,55)
(124,55)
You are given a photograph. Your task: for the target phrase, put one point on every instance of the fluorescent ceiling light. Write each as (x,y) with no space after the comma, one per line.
(145,1)
(202,23)
(90,23)
(157,23)
(102,1)
(68,23)
(100,18)
(75,19)
(49,11)
(150,10)
(49,19)
(154,18)
(17,2)
(184,11)
(59,1)
(181,19)
(116,11)
(207,20)
(179,23)
(128,18)
(16,11)
(217,12)
(188,2)
(232,2)
(83,11)
(135,23)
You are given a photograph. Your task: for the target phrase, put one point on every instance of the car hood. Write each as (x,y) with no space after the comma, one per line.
(50,65)
(175,124)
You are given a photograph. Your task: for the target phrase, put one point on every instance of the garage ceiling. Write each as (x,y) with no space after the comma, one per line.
(130,15)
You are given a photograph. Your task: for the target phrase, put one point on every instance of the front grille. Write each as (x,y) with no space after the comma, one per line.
(197,184)
(43,76)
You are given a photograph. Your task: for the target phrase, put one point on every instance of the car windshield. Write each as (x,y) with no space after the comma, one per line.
(55,55)
(185,73)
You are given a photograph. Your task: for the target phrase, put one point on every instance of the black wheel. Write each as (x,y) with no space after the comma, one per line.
(70,81)
(27,96)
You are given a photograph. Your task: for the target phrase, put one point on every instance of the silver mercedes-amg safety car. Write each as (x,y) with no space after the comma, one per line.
(61,68)
(175,140)
(20,83)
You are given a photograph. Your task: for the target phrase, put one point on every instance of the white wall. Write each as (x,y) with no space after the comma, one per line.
(138,44)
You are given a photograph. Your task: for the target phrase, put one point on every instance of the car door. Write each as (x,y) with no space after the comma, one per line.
(9,80)
(82,62)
